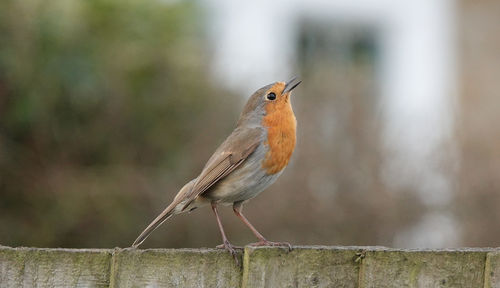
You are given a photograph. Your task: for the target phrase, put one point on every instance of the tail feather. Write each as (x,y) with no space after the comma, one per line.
(172,209)
(167,213)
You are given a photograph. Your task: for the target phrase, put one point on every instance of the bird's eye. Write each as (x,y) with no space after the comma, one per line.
(271,96)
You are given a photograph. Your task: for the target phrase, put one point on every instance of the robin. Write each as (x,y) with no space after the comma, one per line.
(245,164)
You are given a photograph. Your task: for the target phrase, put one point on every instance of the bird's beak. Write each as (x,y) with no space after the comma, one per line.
(291,84)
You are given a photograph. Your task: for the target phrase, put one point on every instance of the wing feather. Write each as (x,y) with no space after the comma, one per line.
(231,154)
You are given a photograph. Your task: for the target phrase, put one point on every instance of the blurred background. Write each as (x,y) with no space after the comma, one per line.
(108,107)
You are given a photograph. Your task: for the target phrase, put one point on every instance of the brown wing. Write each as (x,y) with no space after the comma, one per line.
(234,151)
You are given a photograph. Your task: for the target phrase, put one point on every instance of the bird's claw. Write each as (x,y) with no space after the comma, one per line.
(232,249)
(360,255)
(223,246)
(272,244)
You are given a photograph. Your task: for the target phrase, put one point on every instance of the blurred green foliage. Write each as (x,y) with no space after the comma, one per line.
(98,99)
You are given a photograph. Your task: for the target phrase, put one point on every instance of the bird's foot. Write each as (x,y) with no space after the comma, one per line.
(223,246)
(272,244)
(232,249)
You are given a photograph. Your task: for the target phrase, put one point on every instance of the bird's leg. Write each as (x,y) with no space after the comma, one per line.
(237,208)
(226,245)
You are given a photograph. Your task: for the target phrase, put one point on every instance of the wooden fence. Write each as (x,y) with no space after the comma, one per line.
(312,266)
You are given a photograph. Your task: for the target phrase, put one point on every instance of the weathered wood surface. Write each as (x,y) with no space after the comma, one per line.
(404,268)
(29,267)
(312,266)
(175,268)
(302,267)
(492,270)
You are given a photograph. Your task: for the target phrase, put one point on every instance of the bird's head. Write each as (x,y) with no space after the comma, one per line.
(272,98)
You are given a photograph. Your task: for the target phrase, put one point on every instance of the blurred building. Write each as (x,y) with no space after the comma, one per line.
(478,132)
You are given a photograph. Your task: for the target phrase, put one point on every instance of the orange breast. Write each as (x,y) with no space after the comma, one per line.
(281,131)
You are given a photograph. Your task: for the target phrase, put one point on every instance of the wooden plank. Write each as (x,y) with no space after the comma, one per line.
(425,268)
(175,268)
(316,266)
(30,267)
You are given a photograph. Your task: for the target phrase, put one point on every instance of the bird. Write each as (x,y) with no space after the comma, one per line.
(251,158)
